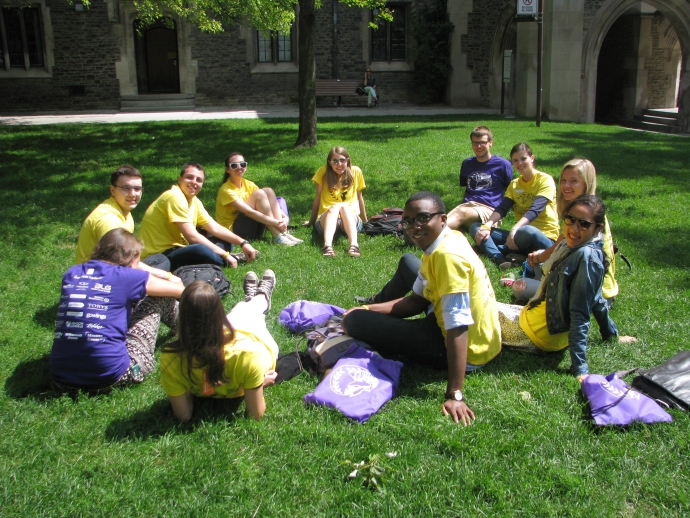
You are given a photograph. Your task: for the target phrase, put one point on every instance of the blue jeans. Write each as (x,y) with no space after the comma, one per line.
(371,92)
(527,238)
(171,259)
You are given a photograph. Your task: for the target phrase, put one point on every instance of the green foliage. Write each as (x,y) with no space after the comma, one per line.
(531,451)
(372,471)
(431,30)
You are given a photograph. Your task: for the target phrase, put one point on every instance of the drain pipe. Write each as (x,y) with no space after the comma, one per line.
(336,75)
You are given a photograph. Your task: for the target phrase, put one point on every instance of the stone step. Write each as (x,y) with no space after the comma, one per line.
(158,103)
(662,112)
(651,126)
(670,121)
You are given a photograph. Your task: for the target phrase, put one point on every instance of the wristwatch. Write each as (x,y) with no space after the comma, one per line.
(456,395)
(245,242)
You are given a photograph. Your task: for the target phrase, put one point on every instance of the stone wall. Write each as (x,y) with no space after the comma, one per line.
(83,74)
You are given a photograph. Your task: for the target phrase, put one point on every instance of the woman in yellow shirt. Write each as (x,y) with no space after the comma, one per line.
(221,356)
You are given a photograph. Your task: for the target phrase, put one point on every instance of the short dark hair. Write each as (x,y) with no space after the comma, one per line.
(480,131)
(118,246)
(594,203)
(428,195)
(522,146)
(123,170)
(189,165)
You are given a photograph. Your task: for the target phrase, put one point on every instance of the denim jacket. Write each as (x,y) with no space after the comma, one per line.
(573,293)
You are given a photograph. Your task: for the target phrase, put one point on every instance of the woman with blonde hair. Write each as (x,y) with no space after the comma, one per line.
(338,205)
(578,176)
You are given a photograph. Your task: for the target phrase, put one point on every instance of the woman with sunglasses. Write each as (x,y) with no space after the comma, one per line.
(532,196)
(246,210)
(338,205)
(578,176)
(558,316)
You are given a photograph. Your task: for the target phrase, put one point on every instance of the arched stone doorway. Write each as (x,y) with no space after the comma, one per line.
(157,58)
(505,39)
(672,14)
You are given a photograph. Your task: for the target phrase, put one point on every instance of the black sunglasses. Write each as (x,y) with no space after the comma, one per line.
(582,223)
(420,219)
(236,165)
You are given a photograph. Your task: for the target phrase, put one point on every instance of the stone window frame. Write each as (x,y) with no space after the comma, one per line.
(387,66)
(250,36)
(274,38)
(47,43)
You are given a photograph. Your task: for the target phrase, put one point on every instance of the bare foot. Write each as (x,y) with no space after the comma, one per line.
(627,339)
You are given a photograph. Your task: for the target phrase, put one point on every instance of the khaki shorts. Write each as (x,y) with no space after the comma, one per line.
(484,211)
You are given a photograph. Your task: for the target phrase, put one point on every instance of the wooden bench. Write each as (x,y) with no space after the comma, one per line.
(336,88)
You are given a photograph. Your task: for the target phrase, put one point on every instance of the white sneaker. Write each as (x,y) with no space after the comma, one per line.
(294,239)
(283,239)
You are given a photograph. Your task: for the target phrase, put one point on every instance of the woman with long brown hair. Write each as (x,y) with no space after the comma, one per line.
(338,205)
(221,356)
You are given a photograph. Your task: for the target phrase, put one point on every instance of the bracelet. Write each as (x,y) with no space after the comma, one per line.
(364,306)
(225,255)
(245,242)
(486,227)
(169,276)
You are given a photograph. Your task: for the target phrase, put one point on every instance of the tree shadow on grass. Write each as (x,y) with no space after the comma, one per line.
(157,420)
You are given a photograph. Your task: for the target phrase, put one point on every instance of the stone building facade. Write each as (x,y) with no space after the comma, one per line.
(62,57)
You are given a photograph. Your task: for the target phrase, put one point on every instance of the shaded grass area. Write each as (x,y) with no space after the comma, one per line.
(532,449)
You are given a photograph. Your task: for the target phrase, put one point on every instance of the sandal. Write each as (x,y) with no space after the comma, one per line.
(327,251)
(354,251)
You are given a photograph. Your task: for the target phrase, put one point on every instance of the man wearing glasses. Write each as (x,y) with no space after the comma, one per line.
(461,331)
(115,212)
(485,178)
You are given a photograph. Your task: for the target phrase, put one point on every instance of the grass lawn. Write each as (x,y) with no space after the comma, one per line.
(531,451)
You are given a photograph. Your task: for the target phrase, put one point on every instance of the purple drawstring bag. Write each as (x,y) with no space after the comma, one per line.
(304,314)
(358,385)
(613,402)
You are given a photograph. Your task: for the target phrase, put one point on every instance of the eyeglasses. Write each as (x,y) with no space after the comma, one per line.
(336,161)
(128,190)
(422,218)
(582,223)
(236,165)
(480,143)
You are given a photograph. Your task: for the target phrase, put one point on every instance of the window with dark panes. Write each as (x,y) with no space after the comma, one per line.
(274,48)
(20,38)
(388,41)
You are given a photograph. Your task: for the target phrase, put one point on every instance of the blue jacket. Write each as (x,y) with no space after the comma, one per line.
(573,293)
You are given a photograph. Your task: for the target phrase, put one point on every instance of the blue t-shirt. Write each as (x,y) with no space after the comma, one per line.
(485,182)
(89,347)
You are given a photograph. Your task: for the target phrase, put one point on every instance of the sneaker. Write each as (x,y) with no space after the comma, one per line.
(250,285)
(283,239)
(241,258)
(294,239)
(365,300)
(266,286)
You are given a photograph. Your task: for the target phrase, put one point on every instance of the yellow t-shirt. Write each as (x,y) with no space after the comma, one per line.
(247,359)
(158,230)
(533,323)
(330,197)
(453,267)
(105,217)
(610,287)
(230,193)
(523,194)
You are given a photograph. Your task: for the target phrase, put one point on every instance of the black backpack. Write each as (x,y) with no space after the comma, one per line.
(389,222)
(668,383)
(210,273)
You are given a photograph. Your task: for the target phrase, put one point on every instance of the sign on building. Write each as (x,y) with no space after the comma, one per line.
(527,7)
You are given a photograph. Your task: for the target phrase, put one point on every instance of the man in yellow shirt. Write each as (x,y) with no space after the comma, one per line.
(115,212)
(461,328)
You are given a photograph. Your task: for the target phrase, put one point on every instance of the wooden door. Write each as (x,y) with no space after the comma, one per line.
(161,58)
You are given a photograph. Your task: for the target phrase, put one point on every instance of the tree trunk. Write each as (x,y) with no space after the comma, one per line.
(307,75)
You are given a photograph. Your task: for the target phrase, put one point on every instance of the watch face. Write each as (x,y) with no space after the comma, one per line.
(457,395)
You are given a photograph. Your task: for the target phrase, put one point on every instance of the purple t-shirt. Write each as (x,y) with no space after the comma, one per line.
(89,347)
(485,182)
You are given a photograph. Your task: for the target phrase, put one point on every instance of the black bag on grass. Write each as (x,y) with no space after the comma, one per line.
(389,222)
(210,273)
(668,383)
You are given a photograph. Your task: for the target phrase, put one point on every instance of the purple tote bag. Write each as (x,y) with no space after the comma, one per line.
(358,385)
(613,402)
(305,314)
